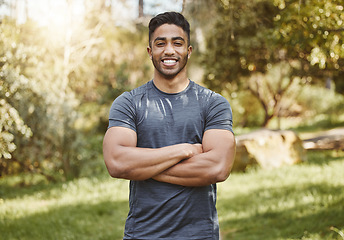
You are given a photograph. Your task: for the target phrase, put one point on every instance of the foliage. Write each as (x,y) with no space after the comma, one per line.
(237,43)
(330,103)
(201,15)
(300,104)
(122,64)
(246,110)
(294,202)
(275,90)
(57,82)
(10,120)
(36,99)
(311,32)
(12,81)
(249,38)
(57,85)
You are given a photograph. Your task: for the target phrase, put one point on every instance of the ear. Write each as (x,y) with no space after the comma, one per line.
(149,50)
(189,51)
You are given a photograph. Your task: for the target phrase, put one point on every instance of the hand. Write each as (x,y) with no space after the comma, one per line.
(197,149)
(192,149)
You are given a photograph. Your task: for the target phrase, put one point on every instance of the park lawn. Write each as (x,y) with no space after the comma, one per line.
(304,201)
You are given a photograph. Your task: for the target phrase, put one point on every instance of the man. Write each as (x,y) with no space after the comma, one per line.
(173,140)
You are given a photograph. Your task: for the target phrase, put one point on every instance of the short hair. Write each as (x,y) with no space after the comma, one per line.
(169,18)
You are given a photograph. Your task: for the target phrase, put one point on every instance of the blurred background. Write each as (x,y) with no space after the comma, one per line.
(280,63)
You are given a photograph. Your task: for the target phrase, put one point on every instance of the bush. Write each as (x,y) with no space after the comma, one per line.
(317,101)
(247,111)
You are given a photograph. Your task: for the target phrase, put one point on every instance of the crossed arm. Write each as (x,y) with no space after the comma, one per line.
(183,164)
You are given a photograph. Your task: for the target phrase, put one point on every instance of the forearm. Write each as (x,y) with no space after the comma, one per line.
(196,171)
(211,166)
(124,160)
(135,163)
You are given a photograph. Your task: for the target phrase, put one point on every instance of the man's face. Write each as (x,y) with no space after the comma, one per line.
(169,50)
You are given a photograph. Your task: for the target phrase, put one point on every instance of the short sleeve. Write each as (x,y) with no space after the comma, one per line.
(218,113)
(122,112)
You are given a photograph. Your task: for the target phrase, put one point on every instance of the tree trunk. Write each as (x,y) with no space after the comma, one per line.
(267,119)
(183,6)
(267,116)
(141,8)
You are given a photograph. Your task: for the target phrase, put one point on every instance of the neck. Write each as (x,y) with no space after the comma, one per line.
(171,85)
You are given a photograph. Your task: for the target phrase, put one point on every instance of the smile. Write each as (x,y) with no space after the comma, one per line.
(169,62)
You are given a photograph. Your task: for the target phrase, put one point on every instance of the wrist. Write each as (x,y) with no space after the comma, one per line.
(186,150)
(192,150)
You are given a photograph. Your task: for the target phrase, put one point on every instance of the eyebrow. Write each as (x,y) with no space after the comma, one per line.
(173,39)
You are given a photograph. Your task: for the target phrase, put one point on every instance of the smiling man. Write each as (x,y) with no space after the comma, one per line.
(173,140)
(170,53)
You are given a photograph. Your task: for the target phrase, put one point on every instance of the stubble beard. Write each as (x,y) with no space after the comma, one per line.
(156,64)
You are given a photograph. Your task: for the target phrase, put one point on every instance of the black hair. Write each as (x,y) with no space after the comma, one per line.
(169,18)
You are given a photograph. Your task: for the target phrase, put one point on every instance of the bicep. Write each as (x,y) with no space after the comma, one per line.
(217,139)
(219,144)
(118,137)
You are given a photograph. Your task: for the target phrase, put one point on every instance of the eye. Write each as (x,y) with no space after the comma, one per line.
(160,44)
(178,43)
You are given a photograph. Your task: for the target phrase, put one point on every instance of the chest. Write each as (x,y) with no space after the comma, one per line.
(167,121)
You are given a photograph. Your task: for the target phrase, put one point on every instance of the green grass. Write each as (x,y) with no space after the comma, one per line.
(297,202)
(304,201)
(88,208)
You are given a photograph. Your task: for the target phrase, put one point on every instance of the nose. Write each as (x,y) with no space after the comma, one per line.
(169,49)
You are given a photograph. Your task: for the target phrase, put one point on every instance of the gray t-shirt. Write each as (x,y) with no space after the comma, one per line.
(161,210)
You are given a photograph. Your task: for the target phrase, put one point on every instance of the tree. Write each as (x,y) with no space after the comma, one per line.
(45,99)
(312,33)
(141,9)
(21,99)
(250,37)
(58,83)
(10,81)
(273,91)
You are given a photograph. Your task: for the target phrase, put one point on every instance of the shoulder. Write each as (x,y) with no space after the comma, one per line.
(123,111)
(200,89)
(208,95)
(142,90)
(134,94)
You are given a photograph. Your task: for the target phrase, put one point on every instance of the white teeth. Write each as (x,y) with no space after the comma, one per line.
(169,61)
